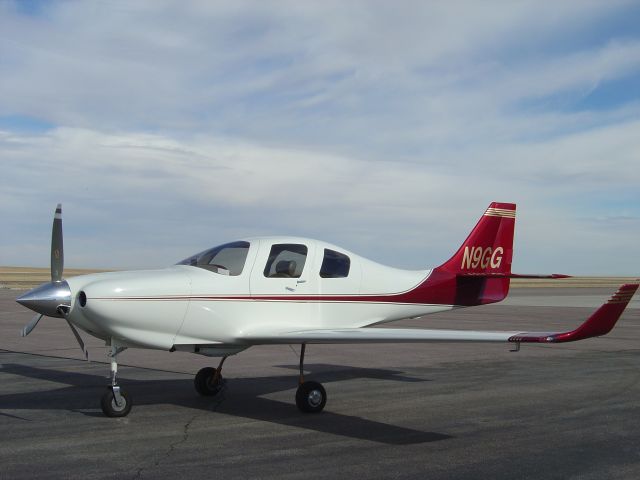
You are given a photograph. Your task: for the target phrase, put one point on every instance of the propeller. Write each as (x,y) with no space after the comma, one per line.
(57,246)
(26,330)
(79,339)
(52,299)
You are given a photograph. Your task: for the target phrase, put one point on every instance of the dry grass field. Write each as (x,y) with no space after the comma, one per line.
(22,278)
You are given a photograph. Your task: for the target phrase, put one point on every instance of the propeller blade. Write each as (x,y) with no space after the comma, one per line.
(57,248)
(80,342)
(26,330)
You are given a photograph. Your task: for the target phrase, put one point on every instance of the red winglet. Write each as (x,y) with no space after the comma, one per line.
(599,323)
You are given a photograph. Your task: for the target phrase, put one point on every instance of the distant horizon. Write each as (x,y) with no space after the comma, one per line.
(114,269)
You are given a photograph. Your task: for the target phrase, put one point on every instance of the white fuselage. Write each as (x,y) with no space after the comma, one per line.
(196,309)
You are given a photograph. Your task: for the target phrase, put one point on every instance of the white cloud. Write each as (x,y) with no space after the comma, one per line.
(126,193)
(371,124)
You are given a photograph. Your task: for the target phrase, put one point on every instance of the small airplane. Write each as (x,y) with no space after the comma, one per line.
(288,290)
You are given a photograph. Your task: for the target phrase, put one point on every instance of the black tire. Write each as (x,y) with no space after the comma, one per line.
(109,406)
(311,397)
(205,384)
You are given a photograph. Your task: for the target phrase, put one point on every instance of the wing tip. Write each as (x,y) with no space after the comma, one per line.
(599,323)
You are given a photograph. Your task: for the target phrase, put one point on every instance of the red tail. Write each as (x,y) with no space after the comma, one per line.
(488,249)
(479,271)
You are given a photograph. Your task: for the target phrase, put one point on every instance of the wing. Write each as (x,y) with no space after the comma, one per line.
(599,323)
(377,335)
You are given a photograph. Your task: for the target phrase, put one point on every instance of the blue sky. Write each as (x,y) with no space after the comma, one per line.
(167,127)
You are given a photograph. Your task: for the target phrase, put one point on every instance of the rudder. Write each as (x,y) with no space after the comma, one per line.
(488,250)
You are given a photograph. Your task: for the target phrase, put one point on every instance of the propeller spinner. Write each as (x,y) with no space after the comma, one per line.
(52,299)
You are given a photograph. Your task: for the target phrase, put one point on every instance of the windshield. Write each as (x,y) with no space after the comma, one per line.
(227,259)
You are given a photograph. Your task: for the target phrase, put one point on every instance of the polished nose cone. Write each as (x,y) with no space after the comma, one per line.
(49,299)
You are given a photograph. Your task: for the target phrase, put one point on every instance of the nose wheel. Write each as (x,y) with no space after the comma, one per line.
(311,397)
(115,402)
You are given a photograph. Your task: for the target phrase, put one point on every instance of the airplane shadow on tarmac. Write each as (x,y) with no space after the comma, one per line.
(241,397)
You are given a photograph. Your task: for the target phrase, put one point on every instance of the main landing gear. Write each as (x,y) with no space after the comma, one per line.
(209,381)
(115,402)
(311,397)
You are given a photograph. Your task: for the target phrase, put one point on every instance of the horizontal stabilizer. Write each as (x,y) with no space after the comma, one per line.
(512,275)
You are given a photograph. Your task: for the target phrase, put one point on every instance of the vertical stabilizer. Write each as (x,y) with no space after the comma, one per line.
(488,250)
(479,271)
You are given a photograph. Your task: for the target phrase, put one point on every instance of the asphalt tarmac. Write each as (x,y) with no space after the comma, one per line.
(394,411)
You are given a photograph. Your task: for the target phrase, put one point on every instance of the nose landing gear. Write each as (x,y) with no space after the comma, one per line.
(115,402)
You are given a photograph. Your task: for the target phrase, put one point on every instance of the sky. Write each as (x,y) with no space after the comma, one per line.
(167,127)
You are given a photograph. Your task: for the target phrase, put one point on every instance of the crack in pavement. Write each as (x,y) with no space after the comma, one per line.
(217,401)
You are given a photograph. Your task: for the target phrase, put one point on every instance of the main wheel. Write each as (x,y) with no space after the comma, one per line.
(311,397)
(205,383)
(109,406)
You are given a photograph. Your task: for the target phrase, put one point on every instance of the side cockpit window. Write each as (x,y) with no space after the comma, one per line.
(286,260)
(334,265)
(227,259)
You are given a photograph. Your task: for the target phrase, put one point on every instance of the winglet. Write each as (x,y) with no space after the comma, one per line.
(599,323)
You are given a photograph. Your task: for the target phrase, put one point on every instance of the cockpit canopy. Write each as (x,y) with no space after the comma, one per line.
(287,258)
(227,259)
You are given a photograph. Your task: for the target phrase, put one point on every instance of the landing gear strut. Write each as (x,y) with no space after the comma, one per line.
(209,381)
(311,397)
(115,402)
